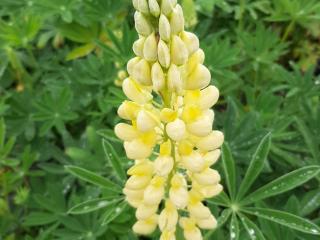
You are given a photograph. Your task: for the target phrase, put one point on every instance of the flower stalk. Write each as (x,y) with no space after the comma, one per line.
(169,188)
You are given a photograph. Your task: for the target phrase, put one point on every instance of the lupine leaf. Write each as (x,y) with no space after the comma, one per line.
(286,219)
(256,165)
(92,178)
(284,183)
(229,169)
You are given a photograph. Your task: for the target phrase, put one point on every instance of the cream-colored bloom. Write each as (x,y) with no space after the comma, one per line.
(207,223)
(199,78)
(126,132)
(178,191)
(145,211)
(211,142)
(168,217)
(163,165)
(191,41)
(146,121)
(190,230)
(193,162)
(155,191)
(176,130)
(147,226)
(169,64)
(135,91)
(168,235)
(136,149)
(207,177)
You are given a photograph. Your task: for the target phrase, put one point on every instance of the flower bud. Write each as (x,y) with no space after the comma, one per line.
(135,92)
(154,8)
(138,46)
(176,130)
(174,79)
(142,72)
(211,142)
(163,165)
(150,49)
(167,6)
(157,75)
(199,78)
(141,6)
(163,54)
(164,28)
(125,132)
(147,226)
(177,20)
(136,149)
(209,96)
(142,25)
(193,162)
(179,52)
(145,211)
(191,41)
(146,121)
(131,63)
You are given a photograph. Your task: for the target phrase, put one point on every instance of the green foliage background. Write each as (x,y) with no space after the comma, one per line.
(59,62)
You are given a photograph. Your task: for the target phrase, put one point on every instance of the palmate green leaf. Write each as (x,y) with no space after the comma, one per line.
(109,135)
(222,199)
(93,205)
(286,219)
(256,165)
(234,230)
(229,169)
(93,178)
(283,184)
(114,159)
(252,229)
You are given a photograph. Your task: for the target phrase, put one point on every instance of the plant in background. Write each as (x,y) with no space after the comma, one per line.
(169,63)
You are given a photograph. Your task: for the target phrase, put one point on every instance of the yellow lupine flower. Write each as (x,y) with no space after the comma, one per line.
(169,63)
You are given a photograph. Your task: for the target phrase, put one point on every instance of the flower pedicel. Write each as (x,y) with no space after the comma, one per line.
(170,189)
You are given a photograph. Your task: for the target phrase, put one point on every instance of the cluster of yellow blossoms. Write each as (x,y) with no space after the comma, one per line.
(172,144)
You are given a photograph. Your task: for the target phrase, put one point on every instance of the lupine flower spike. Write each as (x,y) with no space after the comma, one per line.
(171,143)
